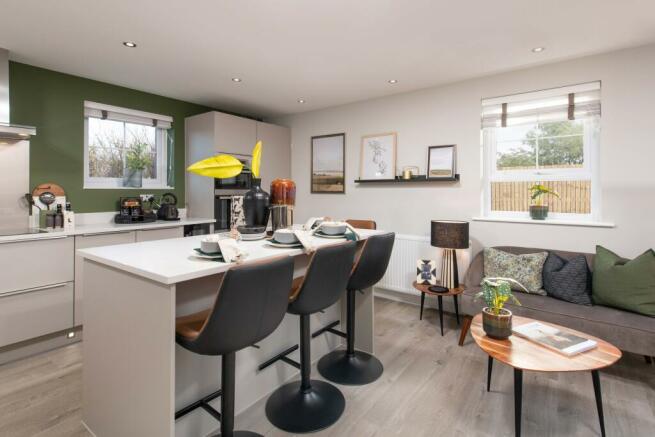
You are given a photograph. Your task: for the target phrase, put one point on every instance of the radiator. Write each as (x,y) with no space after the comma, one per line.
(407,250)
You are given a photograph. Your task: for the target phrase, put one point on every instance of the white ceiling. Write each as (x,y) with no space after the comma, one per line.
(328,52)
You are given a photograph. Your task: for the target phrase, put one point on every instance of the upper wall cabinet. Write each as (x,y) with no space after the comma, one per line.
(213,133)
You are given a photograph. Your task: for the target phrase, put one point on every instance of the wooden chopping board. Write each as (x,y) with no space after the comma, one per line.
(55,189)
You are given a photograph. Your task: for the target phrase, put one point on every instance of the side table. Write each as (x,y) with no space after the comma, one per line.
(454,292)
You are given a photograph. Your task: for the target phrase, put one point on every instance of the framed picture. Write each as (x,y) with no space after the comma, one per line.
(328,163)
(426,272)
(378,157)
(441,162)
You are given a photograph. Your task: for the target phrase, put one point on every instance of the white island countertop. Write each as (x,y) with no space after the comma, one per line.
(106,228)
(171,261)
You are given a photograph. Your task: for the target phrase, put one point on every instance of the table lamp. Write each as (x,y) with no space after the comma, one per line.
(449,235)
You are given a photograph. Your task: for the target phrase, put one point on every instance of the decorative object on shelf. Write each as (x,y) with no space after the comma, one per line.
(328,164)
(496,320)
(399,180)
(378,156)
(283,200)
(138,158)
(442,162)
(449,235)
(426,272)
(410,172)
(539,211)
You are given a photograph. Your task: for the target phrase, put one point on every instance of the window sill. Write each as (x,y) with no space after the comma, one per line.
(556,222)
(144,188)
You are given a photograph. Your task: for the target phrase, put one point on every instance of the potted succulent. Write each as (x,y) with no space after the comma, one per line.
(137,159)
(539,211)
(496,320)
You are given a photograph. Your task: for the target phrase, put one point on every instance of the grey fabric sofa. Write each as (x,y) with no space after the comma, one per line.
(626,330)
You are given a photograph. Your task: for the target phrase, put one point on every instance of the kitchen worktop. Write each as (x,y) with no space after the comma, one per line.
(171,261)
(105,228)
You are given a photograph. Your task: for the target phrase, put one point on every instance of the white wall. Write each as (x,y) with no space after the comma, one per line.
(451,115)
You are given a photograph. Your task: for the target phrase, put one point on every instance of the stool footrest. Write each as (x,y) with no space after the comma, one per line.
(329,328)
(202,403)
(281,356)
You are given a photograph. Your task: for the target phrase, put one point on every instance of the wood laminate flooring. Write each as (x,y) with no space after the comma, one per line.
(431,387)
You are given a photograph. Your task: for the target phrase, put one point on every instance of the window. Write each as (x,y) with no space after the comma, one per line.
(549,137)
(124,147)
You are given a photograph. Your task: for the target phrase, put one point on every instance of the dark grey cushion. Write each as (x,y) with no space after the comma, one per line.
(567,279)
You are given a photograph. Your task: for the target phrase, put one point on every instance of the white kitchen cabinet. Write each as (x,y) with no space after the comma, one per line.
(86,242)
(276,152)
(26,314)
(160,234)
(34,263)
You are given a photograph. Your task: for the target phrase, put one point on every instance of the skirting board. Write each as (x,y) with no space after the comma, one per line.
(415,299)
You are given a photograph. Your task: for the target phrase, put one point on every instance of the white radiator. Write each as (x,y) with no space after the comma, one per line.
(407,250)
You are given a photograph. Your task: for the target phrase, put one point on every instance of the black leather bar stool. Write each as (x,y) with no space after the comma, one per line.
(309,405)
(351,367)
(250,305)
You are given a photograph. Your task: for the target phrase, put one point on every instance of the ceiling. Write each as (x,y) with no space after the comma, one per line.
(326,52)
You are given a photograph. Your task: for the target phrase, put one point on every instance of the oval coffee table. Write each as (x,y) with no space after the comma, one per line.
(523,354)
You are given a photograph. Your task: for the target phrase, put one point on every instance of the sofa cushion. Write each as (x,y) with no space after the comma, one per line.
(567,280)
(527,269)
(626,284)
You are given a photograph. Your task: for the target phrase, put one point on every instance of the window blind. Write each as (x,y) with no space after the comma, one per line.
(115,113)
(567,103)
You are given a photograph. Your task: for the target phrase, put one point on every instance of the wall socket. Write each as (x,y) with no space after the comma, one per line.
(146,197)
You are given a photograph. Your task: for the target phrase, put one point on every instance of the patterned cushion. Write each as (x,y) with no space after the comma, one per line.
(568,279)
(526,269)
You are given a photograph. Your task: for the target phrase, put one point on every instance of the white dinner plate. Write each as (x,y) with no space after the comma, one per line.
(321,235)
(253,237)
(284,245)
(201,256)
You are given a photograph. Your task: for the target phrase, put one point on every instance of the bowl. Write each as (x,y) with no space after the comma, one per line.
(209,246)
(333,228)
(285,236)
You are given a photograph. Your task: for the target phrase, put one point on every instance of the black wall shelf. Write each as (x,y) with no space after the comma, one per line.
(416,179)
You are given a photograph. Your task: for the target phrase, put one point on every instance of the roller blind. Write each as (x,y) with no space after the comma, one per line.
(566,103)
(115,113)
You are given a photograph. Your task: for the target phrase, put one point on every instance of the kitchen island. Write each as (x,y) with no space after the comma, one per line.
(136,377)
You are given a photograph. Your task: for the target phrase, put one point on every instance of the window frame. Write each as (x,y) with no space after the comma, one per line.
(161,144)
(589,171)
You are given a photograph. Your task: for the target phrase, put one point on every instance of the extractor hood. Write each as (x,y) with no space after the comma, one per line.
(9,131)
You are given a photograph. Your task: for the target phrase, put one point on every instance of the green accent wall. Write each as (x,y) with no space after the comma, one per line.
(54,103)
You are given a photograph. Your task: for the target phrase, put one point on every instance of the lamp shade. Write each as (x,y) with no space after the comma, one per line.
(450,234)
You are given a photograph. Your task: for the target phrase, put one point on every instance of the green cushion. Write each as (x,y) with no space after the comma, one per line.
(623,283)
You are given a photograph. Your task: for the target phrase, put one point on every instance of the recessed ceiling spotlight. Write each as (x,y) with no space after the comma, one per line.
(236,79)
(392,81)
(129,44)
(538,49)
(301,100)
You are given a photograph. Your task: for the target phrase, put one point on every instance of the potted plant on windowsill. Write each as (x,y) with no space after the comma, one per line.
(497,320)
(539,211)
(137,159)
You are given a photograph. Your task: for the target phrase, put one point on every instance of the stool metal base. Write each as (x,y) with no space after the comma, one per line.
(241,434)
(350,369)
(295,411)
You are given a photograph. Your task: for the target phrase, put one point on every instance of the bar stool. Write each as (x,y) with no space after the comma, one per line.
(351,367)
(309,405)
(250,305)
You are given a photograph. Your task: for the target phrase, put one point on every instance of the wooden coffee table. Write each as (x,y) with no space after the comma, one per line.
(523,354)
(454,292)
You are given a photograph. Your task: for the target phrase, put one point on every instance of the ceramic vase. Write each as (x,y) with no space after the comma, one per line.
(255,205)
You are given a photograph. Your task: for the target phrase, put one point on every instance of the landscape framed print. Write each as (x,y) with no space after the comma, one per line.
(378,156)
(328,163)
(441,162)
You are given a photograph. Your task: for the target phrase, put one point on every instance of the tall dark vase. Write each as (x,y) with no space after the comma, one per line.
(255,205)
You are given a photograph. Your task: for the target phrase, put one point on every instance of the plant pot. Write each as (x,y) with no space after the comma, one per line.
(497,326)
(255,205)
(538,212)
(132,178)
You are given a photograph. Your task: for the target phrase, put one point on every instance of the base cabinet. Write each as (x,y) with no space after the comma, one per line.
(31,313)
(87,242)
(160,234)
